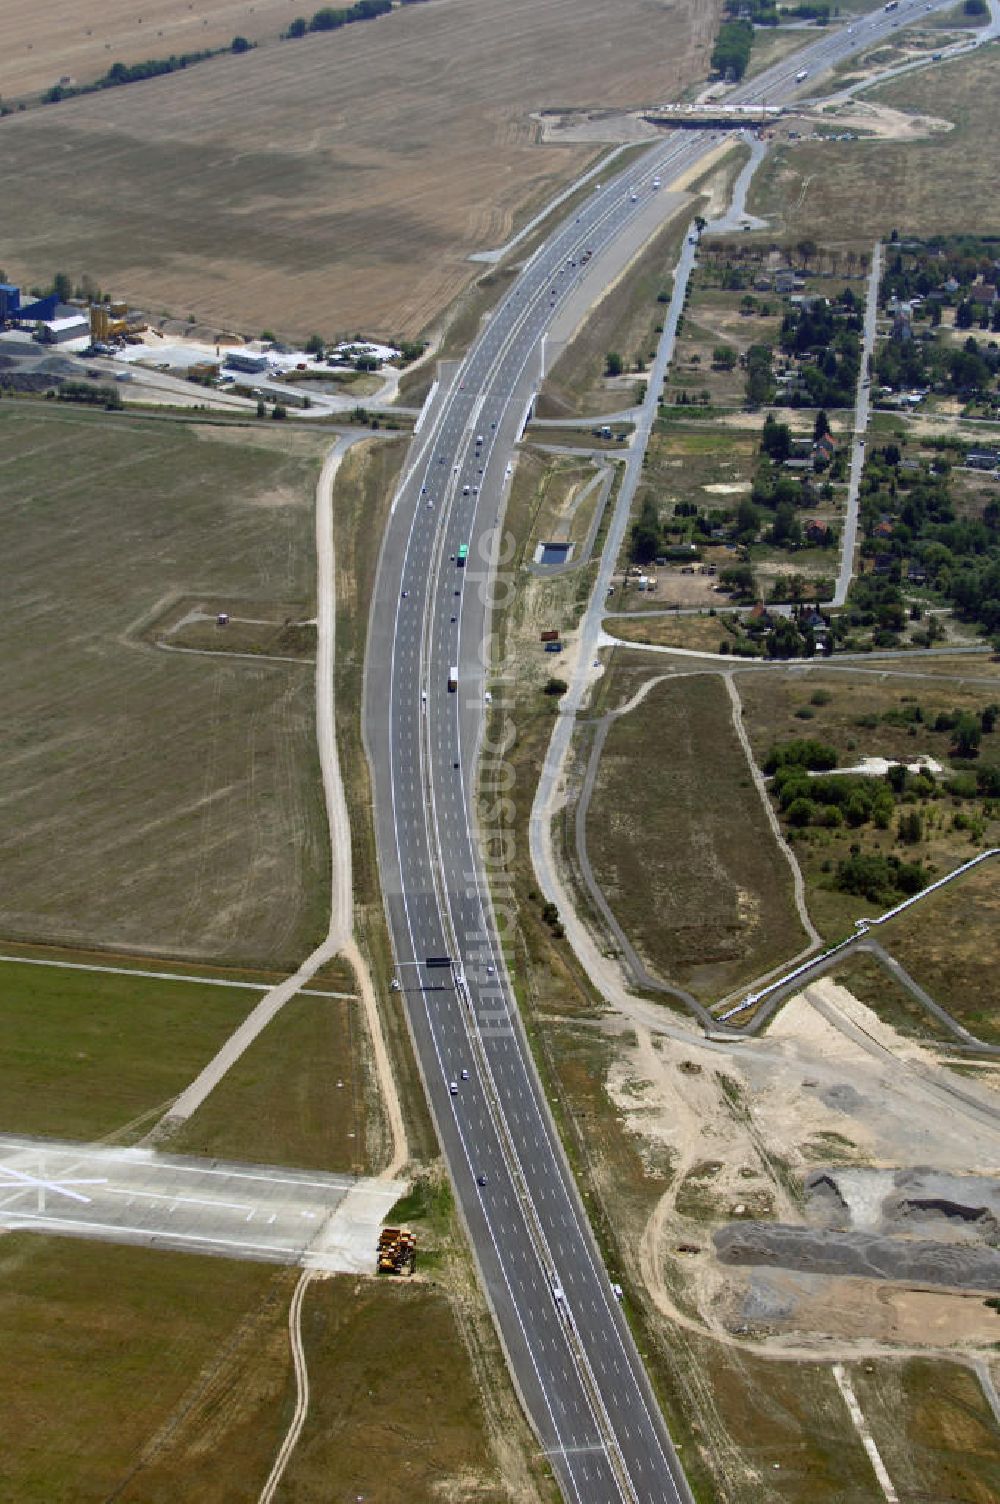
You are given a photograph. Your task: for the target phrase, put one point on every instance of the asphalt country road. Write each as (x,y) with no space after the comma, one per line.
(567,1342)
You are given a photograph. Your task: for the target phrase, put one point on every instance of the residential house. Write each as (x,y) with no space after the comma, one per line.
(983,294)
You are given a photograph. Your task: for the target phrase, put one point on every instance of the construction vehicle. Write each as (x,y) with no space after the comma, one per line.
(114,321)
(397,1251)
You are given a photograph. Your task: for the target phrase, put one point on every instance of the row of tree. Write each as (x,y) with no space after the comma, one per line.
(330,18)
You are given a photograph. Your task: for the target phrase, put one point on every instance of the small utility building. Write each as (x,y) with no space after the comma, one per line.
(247,360)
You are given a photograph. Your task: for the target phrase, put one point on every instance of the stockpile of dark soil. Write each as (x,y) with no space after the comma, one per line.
(869,1255)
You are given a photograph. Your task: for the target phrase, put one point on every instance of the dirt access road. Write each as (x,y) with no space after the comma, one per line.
(339,938)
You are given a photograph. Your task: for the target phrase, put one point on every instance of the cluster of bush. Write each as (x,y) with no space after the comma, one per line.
(731,53)
(827,342)
(960,556)
(90,393)
(839,800)
(882,879)
(330,19)
(833,801)
(133,73)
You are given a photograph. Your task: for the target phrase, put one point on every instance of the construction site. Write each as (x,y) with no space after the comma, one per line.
(397,1251)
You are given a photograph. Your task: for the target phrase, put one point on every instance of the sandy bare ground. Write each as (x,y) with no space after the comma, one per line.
(829,1074)
(878,120)
(336,183)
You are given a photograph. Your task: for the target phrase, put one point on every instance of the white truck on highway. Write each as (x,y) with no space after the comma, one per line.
(453,678)
(802,74)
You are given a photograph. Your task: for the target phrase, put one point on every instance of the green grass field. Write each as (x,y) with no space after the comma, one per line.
(83,1055)
(152,1377)
(138,1375)
(680,843)
(159,802)
(303,1094)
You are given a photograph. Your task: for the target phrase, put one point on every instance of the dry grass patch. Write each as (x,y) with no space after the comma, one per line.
(684,460)
(926,187)
(870,981)
(713,318)
(363,493)
(152,1377)
(396,1409)
(934,1429)
(64,38)
(948,944)
(700,633)
(181,794)
(681,846)
(336,183)
(627,320)
(792,1429)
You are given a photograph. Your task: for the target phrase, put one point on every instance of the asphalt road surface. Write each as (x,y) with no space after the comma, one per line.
(567,1343)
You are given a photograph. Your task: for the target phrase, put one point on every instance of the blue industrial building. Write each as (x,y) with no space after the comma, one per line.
(10,302)
(42,309)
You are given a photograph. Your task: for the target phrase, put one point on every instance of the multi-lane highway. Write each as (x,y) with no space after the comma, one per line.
(568,1345)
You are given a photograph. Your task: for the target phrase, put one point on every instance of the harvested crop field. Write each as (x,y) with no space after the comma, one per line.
(338,182)
(160,802)
(680,843)
(66,39)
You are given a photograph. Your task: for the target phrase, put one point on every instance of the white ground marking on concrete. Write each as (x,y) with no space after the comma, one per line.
(982,1370)
(324,1222)
(861,1426)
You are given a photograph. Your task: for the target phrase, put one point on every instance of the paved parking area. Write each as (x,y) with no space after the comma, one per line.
(157,1200)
